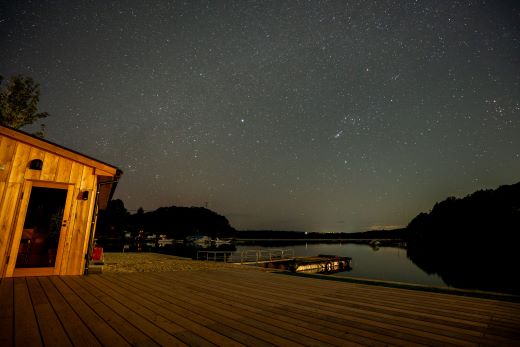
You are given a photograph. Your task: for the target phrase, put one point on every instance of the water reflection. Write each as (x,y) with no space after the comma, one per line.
(369,261)
(468,267)
(381,263)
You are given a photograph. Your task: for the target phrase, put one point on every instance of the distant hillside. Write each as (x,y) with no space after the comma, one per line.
(296,235)
(179,222)
(174,222)
(482,211)
(472,241)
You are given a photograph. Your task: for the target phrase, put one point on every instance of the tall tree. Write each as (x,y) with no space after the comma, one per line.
(19,103)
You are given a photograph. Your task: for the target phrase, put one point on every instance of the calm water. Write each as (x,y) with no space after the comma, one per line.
(384,263)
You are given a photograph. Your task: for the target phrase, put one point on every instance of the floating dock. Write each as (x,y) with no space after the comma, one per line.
(282,259)
(318,264)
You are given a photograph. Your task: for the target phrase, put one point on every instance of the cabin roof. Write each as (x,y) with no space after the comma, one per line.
(52,147)
(108,174)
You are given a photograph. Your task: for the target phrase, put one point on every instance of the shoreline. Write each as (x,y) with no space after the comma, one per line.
(116,262)
(130,262)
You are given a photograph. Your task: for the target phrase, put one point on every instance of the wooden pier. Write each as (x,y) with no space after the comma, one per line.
(326,264)
(234,307)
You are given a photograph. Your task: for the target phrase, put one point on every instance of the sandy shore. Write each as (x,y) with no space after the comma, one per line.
(155,262)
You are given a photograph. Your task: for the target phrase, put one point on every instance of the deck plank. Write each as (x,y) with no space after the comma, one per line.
(236,307)
(230,330)
(247,295)
(109,313)
(215,303)
(76,330)
(97,325)
(184,318)
(482,318)
(469,321)
(446,327)
(320,310)
(396,294)
(6,312)
(316,321)
(52,332)
(195,314)
(500,317)
(421,333)
(276,327)
(191,319)
(134,317)
(26,330)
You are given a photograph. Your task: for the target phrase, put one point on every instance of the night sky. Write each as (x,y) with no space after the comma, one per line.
(296,115)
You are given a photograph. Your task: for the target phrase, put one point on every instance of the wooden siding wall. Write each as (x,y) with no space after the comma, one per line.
(14,159)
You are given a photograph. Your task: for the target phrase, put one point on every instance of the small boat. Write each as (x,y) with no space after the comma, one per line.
(374,244)
(219,242)
(164,241)
(198,239)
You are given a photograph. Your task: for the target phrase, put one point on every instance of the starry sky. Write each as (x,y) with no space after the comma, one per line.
(293,115)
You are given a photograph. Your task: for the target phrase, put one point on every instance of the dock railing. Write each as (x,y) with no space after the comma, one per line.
(260,255)
(225,256)
(246,256)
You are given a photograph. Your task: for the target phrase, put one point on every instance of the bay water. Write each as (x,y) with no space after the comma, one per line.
(379,263)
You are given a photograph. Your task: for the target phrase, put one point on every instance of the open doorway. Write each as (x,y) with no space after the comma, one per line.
(42,227)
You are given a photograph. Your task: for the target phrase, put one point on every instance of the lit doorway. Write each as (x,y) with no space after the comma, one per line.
(41,229)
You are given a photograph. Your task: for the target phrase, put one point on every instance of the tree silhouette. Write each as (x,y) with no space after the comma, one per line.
(470,242)
(179,222)
(113,221)
(19,100)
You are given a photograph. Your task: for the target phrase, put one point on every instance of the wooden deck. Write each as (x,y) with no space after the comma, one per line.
(241,307)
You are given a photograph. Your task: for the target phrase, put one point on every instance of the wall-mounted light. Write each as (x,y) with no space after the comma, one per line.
(36,164)
(84,195)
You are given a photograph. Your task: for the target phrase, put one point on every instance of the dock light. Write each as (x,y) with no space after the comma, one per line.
(36,164)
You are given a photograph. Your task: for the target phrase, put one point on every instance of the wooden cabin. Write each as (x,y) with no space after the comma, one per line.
(49,198)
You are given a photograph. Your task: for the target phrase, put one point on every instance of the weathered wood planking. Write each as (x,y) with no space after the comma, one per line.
(78,333)
(8,209)
(401,325)
(88,184)
(52,332)
(243,307)
(6,312)
(288,301)
(62,168)
(26,332)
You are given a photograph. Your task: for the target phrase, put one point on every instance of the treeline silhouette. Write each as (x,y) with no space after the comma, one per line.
(174,222)
(180,222)
(300,235)
(470,242)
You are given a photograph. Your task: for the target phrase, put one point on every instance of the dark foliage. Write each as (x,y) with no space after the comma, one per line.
(179,222)
(19,100)
(174,222)
(113,222)
(470,242)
